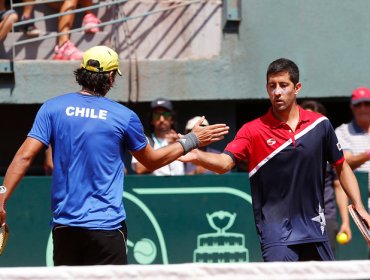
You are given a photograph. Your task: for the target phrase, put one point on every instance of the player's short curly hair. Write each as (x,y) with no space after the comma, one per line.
(98,82)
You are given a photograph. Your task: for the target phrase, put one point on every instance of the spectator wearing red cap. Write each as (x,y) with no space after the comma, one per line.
(354,137)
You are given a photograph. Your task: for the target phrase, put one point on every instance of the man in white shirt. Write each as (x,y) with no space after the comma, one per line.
(354,137)
(162,133)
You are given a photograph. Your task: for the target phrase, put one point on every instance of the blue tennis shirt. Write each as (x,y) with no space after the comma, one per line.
(287,174)
(89,136)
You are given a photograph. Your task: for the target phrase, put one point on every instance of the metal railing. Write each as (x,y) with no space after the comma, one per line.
(79,10)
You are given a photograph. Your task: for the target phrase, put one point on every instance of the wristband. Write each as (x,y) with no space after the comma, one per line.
(368,153)
(188,142)
(2,189)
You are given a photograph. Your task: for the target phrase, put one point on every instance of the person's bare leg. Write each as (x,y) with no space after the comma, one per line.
(7,23)
(65,49)
(30,29)
(65,22)
(27,10)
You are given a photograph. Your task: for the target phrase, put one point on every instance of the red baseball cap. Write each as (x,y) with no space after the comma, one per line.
(361,94)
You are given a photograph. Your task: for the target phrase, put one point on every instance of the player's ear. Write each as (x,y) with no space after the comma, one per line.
(297,88)
(112,76)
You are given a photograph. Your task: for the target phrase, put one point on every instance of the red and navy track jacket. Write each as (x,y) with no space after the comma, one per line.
(287,174)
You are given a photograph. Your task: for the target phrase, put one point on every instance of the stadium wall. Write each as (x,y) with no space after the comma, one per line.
(328,39)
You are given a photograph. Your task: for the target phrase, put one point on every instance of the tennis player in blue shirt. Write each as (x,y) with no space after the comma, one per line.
(89,135)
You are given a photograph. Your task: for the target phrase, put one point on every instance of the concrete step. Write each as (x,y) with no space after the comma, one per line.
(44,49)
(51,25)
(187,32)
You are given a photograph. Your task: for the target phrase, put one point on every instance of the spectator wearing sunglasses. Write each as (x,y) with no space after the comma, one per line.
(162,132)
(354,136)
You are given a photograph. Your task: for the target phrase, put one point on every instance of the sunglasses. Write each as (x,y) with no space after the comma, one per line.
(166,115)
(358,105)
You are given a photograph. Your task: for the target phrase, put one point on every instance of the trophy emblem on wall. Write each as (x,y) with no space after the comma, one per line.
(221,246)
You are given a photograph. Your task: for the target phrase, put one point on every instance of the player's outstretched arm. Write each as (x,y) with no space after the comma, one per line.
(219,163)
(17,169)
(350,185)
(198,137)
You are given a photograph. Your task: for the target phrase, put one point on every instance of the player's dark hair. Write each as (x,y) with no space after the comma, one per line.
(97,82)
(314,106)
(284,65)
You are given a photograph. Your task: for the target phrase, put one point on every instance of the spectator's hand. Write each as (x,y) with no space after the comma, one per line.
(345,228)
(210,133)
(171,136)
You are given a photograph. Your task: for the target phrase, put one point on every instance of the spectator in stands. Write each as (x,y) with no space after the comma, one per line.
(89,135)
(162,133)
(333,192)
(65,49)
(29,29)
(190,168)
(7,19)
(287,150)
(354,137)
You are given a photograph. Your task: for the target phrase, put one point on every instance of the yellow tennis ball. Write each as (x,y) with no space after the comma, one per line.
(342,238)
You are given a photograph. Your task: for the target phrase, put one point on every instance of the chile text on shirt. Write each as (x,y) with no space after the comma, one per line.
(86,113)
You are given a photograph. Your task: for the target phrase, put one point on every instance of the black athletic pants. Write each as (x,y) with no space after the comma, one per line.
(80,246)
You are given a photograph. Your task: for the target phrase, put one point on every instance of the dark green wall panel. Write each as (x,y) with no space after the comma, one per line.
(166,216)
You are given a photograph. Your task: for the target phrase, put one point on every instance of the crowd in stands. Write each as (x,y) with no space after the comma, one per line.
(64,48)
(162,123)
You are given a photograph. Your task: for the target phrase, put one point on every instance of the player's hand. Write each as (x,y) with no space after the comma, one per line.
(191,156)
(210,133)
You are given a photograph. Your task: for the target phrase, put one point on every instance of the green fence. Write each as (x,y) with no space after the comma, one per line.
(180,219)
